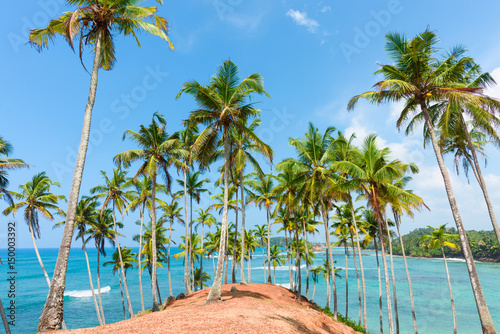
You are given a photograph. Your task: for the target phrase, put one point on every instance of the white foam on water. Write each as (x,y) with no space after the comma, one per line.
(85,293)
(455,259)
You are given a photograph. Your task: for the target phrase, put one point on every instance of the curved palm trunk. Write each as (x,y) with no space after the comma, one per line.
(396,219)
(242,260)
(130,311)
(392,275)
(346,283)
(99,287)
(451,293)
(314,292)
(92,285)
(480,179)
(330,255)
(168,257)
(482,308)
(299,277)
(307,257)
(201,257)
(233,262)
(52,314)
(121,292)
(4,318)
(41,263)
(215,292)
(187,277)
(358,246)
(357,278)
(139,257)
(379,287)
(268,248)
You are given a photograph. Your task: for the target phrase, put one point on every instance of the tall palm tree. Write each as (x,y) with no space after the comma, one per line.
(204,218)
(222,106)
(195,250)
(7,164)
(200,277)
(439,238)
(276,259)
(115,192)
(128,262)
(343,236)
(172,212)
(95,23)
(316,272)
(157,151)
(419,78)
(251,243)
(263,196)
(35,199)
(261,232)
(312,167)
(102,230)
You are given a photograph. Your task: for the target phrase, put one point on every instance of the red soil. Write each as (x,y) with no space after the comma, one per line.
(255,308)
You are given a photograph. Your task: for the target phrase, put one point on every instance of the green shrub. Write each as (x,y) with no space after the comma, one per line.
(346,321)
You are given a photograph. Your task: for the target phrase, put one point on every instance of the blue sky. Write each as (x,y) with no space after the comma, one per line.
(313,55)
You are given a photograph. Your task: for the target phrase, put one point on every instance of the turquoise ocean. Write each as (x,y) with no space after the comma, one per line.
(432,302)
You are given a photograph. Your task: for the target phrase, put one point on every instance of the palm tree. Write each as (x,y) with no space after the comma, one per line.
(36,199)
(204,218)
(114,191)
(102,230)
(222,107)
(6,164)
(419,78)
(343,237)
(157,152)
(439,238)
(96,23)
(172,212)
(276,259)
(263,196)
(200,278)
(251,243)
(312,167)
(195,250)
(315,275)
(262,233)
(128,262)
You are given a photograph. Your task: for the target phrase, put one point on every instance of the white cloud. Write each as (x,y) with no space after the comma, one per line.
(494,91)
(301,19)
(248,22)
(326,9)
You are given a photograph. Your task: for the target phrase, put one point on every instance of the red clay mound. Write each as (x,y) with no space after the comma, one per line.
(255,308)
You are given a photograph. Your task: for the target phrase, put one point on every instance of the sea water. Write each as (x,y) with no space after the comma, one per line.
(430,288)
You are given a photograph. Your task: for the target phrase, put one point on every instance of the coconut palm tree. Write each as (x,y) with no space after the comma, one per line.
(6,164)
(261,232)
(204,218)
(95,23)
(316,272)
(102,230)
(195,249)
(251,244)
(276,259)
(343,237)
(35,199)
(115,192)
(171,212)
(222,106)
(439,238)
(128,262)
(200,278)
(419,79)
(158,151)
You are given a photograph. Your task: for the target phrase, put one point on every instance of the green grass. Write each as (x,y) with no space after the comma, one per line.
(346,321)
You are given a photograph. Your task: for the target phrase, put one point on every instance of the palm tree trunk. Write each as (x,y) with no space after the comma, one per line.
(396,219)
(41,263)
(451,293)
(346,282)
(168,257)
(314,291)
(121,292)
(99,287)
(215,292)
(242,261)
(274,275)
(158,289)
(201,257)
(268,247)
(263,260)
(379,287)
(187,277)
(289,260)
(330,255)
(249,270)
(357,278)
(153,245)
(482,308)
(92,285)
(130,311)
(226,257)
(307,257)
(52,314)
(480,179)
(233,262)
(141,212)
(4,318)
(392,274)
(190,240)
(299,277)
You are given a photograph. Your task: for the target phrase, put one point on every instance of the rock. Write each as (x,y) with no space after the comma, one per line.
(233,289)
(180,296)
(168,301)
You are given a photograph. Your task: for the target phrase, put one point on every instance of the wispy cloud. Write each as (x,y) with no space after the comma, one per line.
(301,19)
(326,9)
